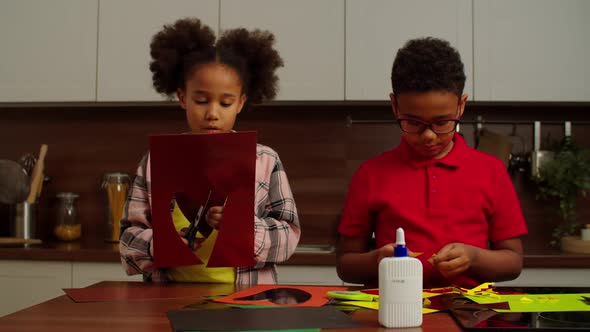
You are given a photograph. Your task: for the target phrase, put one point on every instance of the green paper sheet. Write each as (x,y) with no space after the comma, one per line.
(537,302)
(375,306)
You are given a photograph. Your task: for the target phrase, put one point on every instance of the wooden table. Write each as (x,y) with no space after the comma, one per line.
(63,314)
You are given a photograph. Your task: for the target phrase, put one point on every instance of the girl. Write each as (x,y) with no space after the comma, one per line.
(214,81)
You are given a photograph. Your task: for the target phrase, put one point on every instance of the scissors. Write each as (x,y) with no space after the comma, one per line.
(191,232)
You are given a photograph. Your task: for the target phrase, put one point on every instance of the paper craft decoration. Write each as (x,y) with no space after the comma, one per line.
(538,302)
(458,301)
(281,295)
(429,293)
(191,166)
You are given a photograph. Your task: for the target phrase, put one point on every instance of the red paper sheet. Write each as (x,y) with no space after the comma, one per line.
(143,292)
(318,295)
(192,166)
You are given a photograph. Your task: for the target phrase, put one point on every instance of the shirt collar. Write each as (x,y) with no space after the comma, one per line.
(453,158)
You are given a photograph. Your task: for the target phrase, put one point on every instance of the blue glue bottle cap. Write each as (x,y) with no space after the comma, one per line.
(400,249)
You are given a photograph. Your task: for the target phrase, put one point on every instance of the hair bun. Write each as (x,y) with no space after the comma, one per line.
(170,46)
(256,47)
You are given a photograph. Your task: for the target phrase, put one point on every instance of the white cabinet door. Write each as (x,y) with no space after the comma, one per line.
(309,36)
(537,277)
(376,29)
(308,275)
(86,274)
(532,50)
(126,28)
(48,50)
(26,283)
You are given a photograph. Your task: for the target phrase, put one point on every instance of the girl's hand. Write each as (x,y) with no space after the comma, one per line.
(454,259)
(196,244)
(214,216)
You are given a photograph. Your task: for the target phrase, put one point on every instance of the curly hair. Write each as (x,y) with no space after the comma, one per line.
(427,64)
(178,49)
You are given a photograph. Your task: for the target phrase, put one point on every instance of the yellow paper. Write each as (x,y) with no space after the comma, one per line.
(537,302)
(483,291)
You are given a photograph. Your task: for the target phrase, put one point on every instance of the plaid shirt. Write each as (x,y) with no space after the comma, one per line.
(276,224)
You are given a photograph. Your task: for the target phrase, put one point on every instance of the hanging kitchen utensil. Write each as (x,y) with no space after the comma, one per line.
(38,175)
(519,159)
(28,162)
(538,156)
(495,144)
(14,182)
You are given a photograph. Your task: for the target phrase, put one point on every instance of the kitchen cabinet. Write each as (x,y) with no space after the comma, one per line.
(124,35)
(308,275)
(25,283)
(98,50)
(531,50)
(309,36)
(375,30)
(551,278)
(48,50)
(85,274)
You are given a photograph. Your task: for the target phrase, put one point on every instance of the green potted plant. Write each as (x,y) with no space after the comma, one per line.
(565,178)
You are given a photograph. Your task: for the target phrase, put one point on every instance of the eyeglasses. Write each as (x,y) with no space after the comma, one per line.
(414,126)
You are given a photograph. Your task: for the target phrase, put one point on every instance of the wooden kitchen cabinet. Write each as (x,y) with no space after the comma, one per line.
(25,283)
(125,31)
(48,51)
(531,50)
(375,30)
(309,36)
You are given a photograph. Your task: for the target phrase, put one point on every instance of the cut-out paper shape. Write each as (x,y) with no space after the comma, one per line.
(264,295)
(279,295)
(191,166)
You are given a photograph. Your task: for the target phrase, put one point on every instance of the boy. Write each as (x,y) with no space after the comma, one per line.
(457,205)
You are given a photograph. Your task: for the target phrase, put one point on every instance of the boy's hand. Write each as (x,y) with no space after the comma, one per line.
(387,251)
(214,216)
(454,259)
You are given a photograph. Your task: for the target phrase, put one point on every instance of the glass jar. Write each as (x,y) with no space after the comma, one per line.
(116,186)
(68,227)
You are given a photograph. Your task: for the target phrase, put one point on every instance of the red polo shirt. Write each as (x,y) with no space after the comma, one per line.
(466,196)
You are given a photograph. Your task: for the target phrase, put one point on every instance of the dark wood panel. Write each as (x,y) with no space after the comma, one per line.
(319,146)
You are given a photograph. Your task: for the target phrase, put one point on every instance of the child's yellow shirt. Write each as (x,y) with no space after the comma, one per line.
(199,272)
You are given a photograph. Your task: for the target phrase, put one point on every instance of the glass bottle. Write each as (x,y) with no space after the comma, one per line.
(68,226)
(116,186)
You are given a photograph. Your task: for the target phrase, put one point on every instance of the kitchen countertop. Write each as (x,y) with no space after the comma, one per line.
(109,252)
(306,255)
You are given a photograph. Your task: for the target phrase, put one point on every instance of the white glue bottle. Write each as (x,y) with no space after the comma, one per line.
(400,287)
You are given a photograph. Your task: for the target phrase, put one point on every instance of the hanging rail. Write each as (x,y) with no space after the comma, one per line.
(478,122)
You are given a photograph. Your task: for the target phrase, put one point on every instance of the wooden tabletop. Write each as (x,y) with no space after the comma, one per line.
(63,314)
